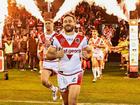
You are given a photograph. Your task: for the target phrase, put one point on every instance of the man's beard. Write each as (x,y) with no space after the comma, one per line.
(48,28)
(68,28)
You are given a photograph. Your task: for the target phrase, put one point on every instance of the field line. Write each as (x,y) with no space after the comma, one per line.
(53,103)
(30,101)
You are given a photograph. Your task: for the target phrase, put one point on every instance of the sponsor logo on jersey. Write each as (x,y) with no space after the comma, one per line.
(71,51)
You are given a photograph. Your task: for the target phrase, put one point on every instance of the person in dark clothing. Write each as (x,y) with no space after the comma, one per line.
(23,52)
(32,46)
(16,50)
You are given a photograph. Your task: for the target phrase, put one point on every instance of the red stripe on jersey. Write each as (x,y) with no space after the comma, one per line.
(51,39)
(62,40)
(97,42)
(64,43)
(42,37)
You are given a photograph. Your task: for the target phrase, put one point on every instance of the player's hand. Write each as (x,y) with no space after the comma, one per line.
(51,53)
(96,46)
(42,48)
(60,52)
(85,55)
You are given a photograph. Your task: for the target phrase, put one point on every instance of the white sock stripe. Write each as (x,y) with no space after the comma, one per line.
(94,70)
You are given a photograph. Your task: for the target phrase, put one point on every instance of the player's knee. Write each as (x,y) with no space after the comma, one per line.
(45,82)
(94,66)
(66,103)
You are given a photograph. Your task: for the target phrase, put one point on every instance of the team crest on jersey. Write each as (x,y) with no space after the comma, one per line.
(77,40)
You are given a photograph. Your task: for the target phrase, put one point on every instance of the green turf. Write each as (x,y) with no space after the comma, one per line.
(25,86)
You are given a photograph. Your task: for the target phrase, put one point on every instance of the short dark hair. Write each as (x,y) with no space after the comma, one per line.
(70,15)
(124,36)
(48,19)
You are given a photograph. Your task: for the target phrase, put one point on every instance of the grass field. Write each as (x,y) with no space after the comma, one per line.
(24,88)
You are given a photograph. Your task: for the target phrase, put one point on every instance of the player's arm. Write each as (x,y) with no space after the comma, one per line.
(41,48)
(87,52)
(118,48)
(59,52)
(102,45)
(90,44)
(87,49)
(54,51)
(51,53)
(123,47)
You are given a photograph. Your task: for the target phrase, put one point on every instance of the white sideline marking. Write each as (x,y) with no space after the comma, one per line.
(51,102)
(30,101)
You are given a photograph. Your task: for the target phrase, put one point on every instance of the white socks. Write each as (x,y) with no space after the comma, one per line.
(96,72)
(53,88)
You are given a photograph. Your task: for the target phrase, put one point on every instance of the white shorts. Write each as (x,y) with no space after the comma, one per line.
(98,56)
(66,80)
(51,65)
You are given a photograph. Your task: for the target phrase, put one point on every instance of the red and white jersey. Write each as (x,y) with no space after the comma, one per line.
(50,36)
(42,42)
(96,41)
(72,46)
(41,37)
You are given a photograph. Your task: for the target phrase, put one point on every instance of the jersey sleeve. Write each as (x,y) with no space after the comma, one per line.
(90,41)
(55,42)
(85,42)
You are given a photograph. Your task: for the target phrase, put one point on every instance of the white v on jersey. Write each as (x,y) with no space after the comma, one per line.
(50,36)
(72,46)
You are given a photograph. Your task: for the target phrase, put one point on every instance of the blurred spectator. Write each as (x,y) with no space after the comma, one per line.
(32,46)
(8,52)
(16,50)
(23,52)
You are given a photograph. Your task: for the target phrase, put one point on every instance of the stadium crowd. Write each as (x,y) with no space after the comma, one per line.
(27,47)
(22,34)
